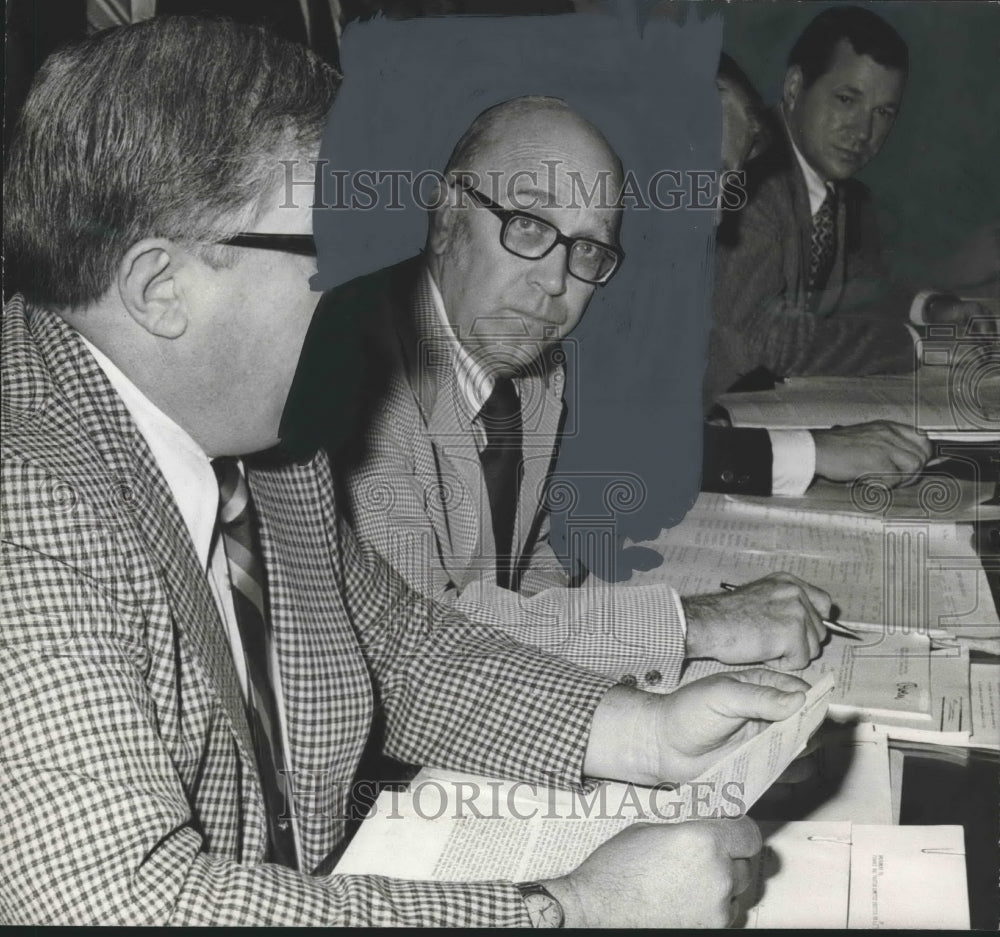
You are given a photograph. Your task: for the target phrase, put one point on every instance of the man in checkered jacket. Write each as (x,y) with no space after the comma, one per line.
(140,348)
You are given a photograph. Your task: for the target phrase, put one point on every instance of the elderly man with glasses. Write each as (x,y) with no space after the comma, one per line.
(448,472)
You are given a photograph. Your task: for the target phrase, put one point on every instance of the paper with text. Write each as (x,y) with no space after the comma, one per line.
(451,824)
(985,705)
(908,877)
(907,575)
(881,675)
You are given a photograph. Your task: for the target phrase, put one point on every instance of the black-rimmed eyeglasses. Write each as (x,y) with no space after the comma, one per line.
(292,243)
(528,236)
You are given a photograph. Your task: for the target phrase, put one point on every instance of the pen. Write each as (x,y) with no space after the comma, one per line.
(833,626)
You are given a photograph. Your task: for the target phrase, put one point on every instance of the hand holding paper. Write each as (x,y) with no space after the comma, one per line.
(650,739)
(699,868)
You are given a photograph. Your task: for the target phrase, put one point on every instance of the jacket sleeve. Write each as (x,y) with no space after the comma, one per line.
(457,691)
(736,460)
(98,826)
(613,629)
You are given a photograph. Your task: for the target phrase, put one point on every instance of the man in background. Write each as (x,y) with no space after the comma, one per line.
(785,462)
(449,475)
(801,285)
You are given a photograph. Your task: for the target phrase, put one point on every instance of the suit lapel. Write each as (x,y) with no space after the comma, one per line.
(803,230)
(541,409)
(153,516)
(802,210)
(449,467)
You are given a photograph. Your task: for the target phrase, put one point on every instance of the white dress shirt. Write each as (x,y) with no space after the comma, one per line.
(816,187)
(474,383)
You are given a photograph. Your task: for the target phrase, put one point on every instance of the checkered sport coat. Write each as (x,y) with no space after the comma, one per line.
(416,492)
(128,789)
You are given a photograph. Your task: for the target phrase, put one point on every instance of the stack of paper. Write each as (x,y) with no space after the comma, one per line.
(858,876)
(539,828)
(960,404)
(808,875)
(936,497)
(907,575)
(845,775)
(894,681)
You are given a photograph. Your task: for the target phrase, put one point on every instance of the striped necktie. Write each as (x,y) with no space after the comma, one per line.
(237,524)
(503,466)
(823,245)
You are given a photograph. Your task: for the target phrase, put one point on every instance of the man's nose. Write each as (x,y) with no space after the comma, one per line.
(862,126)
(550,272)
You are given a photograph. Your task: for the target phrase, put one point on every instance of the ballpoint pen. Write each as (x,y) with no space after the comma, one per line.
(835,626)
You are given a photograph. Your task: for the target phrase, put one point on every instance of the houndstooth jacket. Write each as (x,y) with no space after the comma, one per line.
(415,489)
(128,788)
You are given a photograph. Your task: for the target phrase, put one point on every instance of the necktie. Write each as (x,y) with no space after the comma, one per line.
(237,524)
(502,469)
(823,247)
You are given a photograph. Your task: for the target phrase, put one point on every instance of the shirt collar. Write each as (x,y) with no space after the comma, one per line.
(474,383)
(185,466)
(815,185)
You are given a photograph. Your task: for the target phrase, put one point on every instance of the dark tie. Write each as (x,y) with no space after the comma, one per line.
(237,524)
(823,247)
(502,468)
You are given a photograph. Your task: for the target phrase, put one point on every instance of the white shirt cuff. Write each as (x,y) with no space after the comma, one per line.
(681,616)
(793,461)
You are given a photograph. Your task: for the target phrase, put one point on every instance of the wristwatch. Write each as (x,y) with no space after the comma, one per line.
(543,909)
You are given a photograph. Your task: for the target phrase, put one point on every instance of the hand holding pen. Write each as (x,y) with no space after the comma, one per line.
(835,626)
(776,620)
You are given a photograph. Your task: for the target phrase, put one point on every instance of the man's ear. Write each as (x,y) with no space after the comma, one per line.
(792,87)
(147,285)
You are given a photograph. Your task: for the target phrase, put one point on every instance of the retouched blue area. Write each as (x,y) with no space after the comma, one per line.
(636,361)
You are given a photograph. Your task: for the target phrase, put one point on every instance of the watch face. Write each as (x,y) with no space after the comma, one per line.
(544,910)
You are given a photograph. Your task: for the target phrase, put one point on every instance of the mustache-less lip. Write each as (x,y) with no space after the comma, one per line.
(849,153)
(538,316)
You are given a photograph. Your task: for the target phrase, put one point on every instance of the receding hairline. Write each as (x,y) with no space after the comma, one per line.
(488,136)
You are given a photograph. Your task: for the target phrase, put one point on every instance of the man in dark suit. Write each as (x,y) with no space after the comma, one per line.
(783,462)
(191,643)
(801,286)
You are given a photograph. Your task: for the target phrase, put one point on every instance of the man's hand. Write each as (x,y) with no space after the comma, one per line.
(776,620)
(844,453)
(649,875)
(649,738)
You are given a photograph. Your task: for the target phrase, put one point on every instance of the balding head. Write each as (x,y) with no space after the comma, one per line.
(537,157)
(518,135)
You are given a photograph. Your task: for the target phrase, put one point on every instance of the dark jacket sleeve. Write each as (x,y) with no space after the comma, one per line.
(736,460)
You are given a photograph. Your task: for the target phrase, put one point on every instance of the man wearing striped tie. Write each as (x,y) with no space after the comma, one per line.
(801,283)
(191,644)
